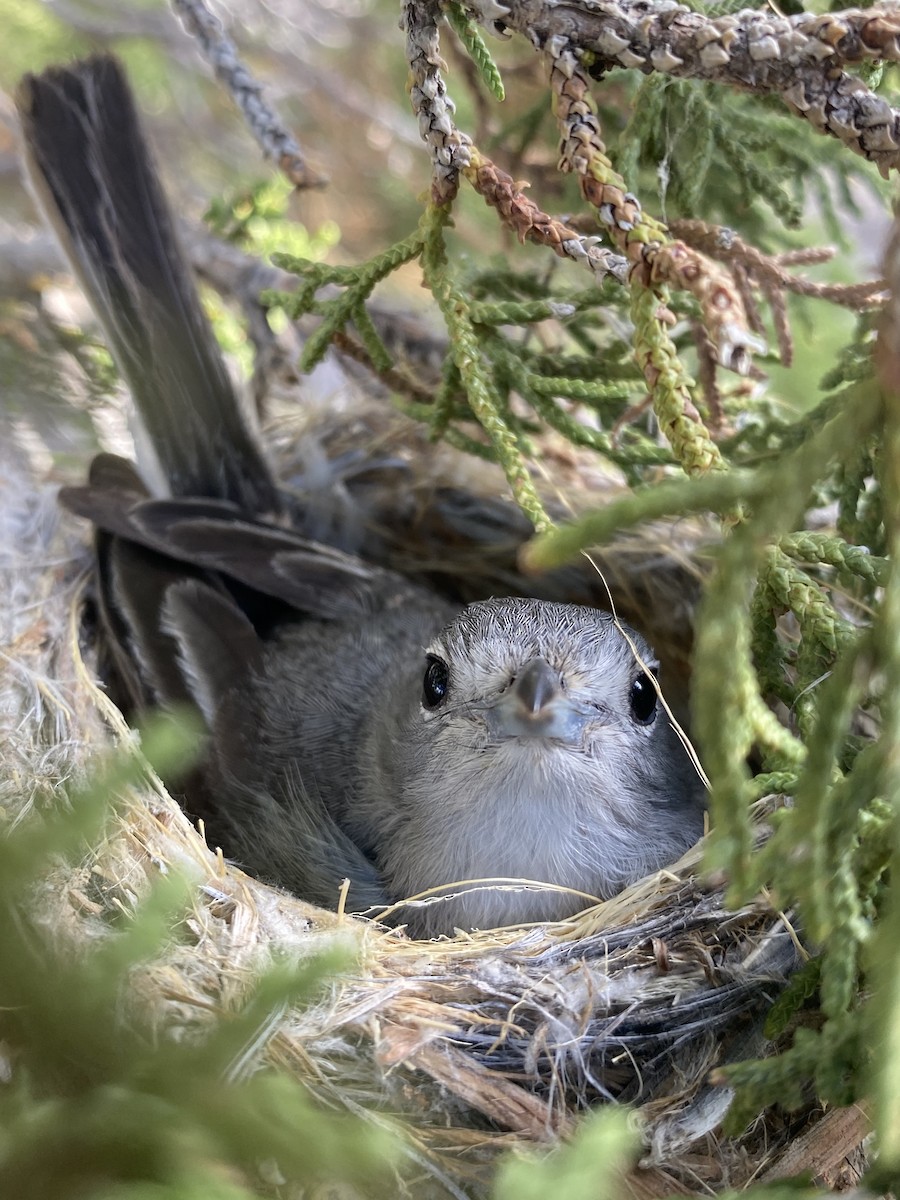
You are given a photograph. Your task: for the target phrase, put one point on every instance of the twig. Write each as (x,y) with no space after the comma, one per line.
(266,126)
(654,257)
(726,246)
(394,378)
(530,223)
(450,149)
(706,370)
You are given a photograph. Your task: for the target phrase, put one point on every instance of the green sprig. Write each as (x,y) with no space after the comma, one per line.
(590,391)
(826,550)
(358,282)
(801,988)
(719,492)
(475,378)
(369,336)
(670,386)
(518,312)
(470,36)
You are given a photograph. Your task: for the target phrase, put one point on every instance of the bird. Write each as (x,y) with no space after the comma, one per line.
(466,767)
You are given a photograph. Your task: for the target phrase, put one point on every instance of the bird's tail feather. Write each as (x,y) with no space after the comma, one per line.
(93,174)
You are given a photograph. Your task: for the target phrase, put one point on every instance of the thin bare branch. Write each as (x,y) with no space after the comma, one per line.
(268,129)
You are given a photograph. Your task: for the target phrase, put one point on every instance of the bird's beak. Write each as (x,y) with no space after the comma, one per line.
(536,706)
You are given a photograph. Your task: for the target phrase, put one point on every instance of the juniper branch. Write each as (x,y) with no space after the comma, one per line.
(670,388)
(476,380)
(654,258)
(270,132)
(450,149)
(798,58)
(727,246)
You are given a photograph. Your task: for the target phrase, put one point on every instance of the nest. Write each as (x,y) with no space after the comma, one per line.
(481,1042)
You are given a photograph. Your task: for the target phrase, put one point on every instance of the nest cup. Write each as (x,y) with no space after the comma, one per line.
(487,1040)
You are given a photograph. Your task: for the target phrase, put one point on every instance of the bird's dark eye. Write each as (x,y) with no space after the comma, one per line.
(643,700)
(435,683)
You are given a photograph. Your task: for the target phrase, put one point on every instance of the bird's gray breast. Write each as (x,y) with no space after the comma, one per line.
(534,809)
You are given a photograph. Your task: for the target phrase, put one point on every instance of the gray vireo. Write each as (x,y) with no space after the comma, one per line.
(360,726)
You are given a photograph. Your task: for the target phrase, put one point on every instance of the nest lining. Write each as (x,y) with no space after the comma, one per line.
(481,1042)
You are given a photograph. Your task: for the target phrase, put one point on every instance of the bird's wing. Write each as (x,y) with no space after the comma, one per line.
(215,537)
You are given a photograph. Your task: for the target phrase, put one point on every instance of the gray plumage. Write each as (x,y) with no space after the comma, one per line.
(360,726)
